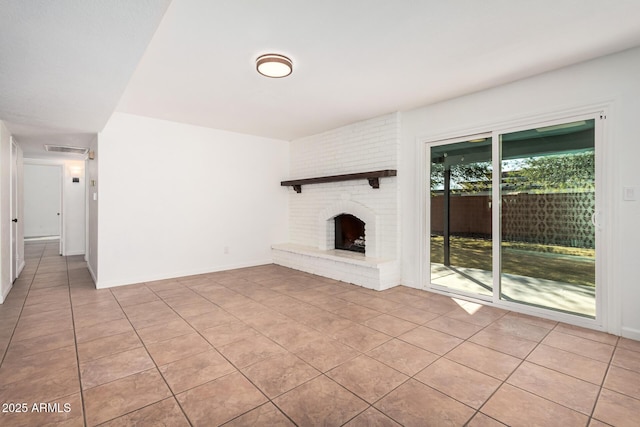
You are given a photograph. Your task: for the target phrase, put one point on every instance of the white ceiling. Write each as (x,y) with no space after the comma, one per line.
(64,65)
(353,59)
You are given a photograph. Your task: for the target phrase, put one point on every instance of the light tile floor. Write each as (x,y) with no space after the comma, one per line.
(269,346)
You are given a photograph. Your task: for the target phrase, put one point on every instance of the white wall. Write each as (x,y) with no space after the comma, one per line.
(173,197)
(74,209)
(36,172)
(91,255)
(5,213)
(609,80)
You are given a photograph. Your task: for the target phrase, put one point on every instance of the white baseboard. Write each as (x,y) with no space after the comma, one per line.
(631,333)
(152,278)
(3,295)
(20,268)
(73,253)
(93,275)
(410,284)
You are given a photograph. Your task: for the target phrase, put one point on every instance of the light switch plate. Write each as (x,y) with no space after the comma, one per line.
(629,193)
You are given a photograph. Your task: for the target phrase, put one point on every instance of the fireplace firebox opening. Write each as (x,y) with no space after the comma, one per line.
(349,233)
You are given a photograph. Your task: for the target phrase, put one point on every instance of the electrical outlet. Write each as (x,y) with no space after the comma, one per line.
(226,250)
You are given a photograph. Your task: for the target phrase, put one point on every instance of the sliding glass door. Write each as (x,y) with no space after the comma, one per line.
(460,232)
(548,200)
(526,233)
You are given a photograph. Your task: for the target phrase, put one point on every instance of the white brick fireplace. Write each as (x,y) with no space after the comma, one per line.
(371,145)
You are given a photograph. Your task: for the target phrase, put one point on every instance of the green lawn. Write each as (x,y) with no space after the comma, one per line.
(558,263)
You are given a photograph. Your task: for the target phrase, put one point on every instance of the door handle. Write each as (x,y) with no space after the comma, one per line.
(15,220)
(595,220)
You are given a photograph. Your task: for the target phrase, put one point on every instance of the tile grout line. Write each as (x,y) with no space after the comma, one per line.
(198,332)
(540,343)
(371,405)
(479,410)
(440,357)
(75,342)
(589,416)
(537,345)
(411,377)
(604,378)
(476,411)
(239,370)
(222,355)
(157,368)
(143,345)
(6,350)
(42,255)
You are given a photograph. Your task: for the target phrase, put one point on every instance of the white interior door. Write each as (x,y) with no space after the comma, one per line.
(42,200)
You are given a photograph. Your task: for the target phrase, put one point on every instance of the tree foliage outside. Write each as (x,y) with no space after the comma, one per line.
(560,172)
(465,178)
(544,174)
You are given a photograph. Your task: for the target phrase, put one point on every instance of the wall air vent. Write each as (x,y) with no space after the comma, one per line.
(66,149)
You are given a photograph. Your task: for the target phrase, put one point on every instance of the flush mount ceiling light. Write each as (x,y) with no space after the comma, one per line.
(274,65)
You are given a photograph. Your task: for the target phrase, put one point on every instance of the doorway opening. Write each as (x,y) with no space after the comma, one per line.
(43,201)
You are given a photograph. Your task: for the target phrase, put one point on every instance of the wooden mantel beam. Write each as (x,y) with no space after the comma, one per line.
(373,177)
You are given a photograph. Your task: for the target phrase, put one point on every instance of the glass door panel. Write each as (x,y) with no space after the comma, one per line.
(460,229)
(547,245)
